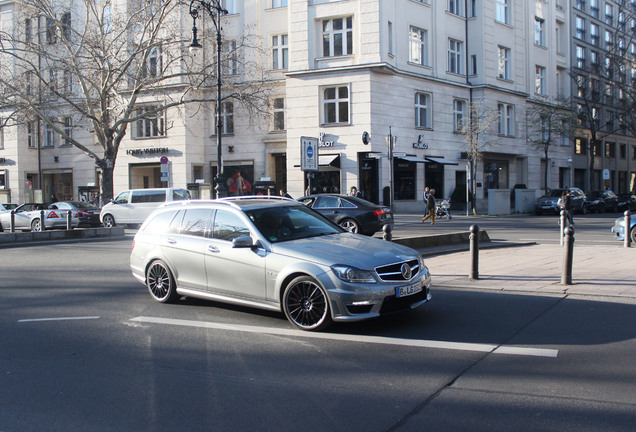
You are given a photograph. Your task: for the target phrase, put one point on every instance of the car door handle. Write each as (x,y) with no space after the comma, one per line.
(213,249)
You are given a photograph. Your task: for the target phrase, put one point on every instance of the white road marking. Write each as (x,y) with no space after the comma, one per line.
(58,319)
(461,346)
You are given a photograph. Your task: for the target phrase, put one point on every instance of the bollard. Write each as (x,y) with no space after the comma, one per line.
(627,241)
(12,222)
(568,255)
(474,252)
(69,220)
(562,220)
(42,225)
(386,232)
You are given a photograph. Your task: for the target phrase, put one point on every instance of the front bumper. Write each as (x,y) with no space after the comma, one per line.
(619,231)
(356,302)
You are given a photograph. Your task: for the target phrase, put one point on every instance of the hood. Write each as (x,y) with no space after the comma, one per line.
(346,248)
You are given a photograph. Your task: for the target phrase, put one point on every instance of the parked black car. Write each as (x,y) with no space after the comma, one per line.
(87,213)
(602,201)
(352,213)
(549,202)
(626,201)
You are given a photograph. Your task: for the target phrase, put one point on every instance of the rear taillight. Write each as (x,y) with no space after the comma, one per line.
(379,212)
(133,245)
(82,213)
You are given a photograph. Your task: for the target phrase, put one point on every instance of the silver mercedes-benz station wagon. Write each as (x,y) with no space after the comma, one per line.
(275,254)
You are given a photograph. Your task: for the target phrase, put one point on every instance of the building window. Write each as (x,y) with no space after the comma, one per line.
(423,117)
(279,114)
(51,32)
(609,14)
(107,24)
(456,7)
(595,36)
(52,82)
(503,11)
(227,118)
(455,56)
(229,6)
(459,112)
(67,84)
(506,119)
(622,149)
(280,51)
(30,134)
(230,66)
(49,136)
(580,146)
(473,64)
(151,122)
(580,57)
(1,134)
(580,5)
(66,26)
(539,31)
(337,37)
(504,62)
(418,46)
(390,35)
(580,28)
(279,3)
(610,150)
(336,105)
(539,80)
(68,130)
(28,31)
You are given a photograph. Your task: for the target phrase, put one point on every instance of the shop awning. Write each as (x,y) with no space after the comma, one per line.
(412,159)
(327,160)
(439,161)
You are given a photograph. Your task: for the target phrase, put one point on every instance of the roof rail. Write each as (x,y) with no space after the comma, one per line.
(246,197)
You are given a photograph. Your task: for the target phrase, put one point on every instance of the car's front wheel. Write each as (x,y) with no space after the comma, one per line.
(108,221)
(350,225)
(160,282)
(632,234)
(306,305)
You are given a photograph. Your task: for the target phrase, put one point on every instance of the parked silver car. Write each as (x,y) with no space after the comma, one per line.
(275,254)
(619,229)
(27,217)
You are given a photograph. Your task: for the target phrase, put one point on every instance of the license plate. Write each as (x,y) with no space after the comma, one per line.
(408,290)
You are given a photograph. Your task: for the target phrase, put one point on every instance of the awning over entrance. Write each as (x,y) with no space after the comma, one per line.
(412,159)
(439,161)
(327,160)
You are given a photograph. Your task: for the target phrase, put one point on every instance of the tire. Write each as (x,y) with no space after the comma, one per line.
(1,229)
(160,282)
(306,305)
(108,221)
(350,225)
(632,234)
(36,225)
(584,209)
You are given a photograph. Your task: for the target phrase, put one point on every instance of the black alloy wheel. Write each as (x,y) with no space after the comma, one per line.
(306,305)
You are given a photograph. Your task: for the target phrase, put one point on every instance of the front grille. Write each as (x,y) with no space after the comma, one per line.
(395,304)
(393,272)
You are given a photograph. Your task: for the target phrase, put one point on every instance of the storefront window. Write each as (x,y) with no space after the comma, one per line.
(323,182)
(404,179)
(495,175)
(239,178)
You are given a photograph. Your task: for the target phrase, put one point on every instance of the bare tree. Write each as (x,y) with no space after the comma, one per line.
(547,123)
(479,119)
(105,65)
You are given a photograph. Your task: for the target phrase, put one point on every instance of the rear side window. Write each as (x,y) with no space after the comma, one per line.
(228,226)
(148,196)
(180,194)
(160,223)
(327,202)
(195,222)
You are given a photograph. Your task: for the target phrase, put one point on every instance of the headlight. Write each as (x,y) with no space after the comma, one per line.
(352,274)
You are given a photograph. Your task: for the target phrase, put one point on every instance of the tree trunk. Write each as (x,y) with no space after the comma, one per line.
(106,184)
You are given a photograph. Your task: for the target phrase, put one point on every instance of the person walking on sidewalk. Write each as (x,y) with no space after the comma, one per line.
(426,192)
(430,206)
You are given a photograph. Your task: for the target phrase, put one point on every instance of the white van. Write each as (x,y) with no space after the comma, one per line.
(133,206)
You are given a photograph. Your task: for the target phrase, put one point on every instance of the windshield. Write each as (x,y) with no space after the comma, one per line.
(555,193)
(279,224)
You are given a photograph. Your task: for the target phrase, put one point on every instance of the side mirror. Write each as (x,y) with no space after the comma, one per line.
(243,242)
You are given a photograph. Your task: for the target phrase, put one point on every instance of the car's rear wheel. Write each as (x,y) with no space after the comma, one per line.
(306,305)
(584,209)
(632,234)
(160,282)
(36,225)
(350,225)
(108,221)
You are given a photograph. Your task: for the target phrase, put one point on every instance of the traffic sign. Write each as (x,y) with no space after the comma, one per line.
(164,159)
(308,154)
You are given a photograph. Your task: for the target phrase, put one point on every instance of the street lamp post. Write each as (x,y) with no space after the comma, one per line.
(215,10)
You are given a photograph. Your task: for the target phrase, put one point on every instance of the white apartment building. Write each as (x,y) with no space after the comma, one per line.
(337,70)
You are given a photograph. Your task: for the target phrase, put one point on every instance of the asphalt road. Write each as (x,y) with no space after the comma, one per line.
(83,347)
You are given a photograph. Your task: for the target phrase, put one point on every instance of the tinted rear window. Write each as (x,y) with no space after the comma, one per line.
(148,196)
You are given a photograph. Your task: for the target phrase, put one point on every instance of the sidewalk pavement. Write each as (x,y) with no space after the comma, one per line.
(537,268)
